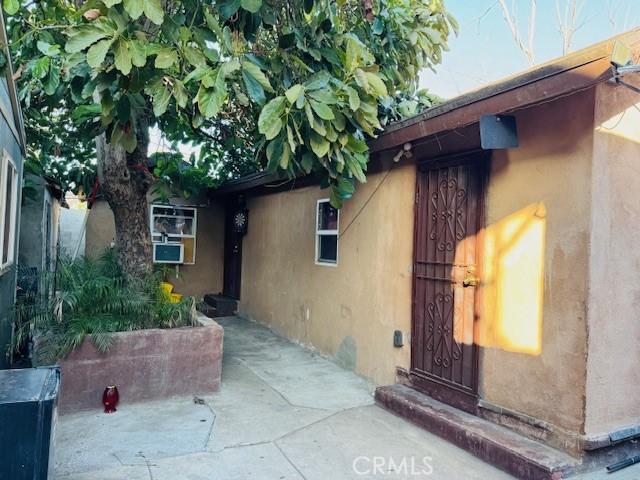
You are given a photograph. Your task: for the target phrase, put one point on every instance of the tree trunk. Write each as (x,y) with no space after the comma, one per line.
(125,181)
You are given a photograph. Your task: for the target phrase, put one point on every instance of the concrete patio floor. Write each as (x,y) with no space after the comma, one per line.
(283,412)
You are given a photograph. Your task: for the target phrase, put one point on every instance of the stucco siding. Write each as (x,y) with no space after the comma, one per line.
(349,311)
(613,381)
(205,276)
(538,218)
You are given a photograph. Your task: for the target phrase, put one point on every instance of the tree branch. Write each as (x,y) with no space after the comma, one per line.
(527,50)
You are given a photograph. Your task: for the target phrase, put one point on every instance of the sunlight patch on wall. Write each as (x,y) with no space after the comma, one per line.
(512,283)
(625,124)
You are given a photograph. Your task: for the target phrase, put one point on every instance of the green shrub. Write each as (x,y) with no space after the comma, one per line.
(91,297)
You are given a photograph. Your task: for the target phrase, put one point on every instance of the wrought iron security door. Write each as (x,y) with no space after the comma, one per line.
(448,218)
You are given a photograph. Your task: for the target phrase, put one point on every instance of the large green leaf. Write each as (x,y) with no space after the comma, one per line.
(319,145)
(285,156)
(269,121)
(357,145)
(376,85)
(134,8)
(274,152)
(251,5)
(362,79)
(211,99)
(294,93)
(253,70)
(138,53)
(123,57)
(52,80)
(47,49)
(325,95)
(84,36)
(40,67)
(153,11)
(272,129)
(228,8)
(322,110)
(11,6)
(354,99)
(111,3)
(355,168)
(228,67)
(82,113)
(254,89)
(151,8)
(180,94)
(307,162)
(161,98)
(194,56)
(354,53)
(97,52)
(166,58)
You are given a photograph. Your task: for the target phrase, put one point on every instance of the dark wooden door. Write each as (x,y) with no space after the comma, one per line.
(444,360)
(232,257)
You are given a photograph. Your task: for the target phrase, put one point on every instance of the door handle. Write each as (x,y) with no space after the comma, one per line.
(470,281)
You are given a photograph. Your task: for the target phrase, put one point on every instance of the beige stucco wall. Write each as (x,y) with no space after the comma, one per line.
(349,311)
(613,381)
(533,320)
(532,313)
(205,276)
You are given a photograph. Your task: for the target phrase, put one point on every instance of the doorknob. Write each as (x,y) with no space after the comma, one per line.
(470,279)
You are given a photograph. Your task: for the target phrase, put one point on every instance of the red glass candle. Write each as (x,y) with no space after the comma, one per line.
(110,398)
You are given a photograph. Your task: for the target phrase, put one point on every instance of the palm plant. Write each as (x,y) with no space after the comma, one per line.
(91,297)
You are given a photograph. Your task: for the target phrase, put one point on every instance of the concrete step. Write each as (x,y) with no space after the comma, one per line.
(225,306)
(520,456)
(206,309)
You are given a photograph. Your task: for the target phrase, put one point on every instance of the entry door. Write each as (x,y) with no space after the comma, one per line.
(232,258)
(444,360)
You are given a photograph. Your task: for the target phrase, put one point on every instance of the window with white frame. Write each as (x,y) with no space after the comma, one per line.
(327,226)
(8,207)
(175,224)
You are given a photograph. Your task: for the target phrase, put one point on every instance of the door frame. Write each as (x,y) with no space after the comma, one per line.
(428,384)
(232,265)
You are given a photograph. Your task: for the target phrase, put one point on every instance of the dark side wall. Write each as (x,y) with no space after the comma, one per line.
(8,142)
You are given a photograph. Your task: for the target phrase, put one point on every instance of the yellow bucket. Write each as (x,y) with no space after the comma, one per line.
(166,287)
(175,298)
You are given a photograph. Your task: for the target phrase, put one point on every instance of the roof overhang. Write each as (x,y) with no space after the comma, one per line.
(564,76)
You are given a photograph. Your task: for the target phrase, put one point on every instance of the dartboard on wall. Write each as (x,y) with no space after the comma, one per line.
(241,221)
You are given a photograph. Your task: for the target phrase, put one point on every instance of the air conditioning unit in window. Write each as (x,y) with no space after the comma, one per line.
(168,252)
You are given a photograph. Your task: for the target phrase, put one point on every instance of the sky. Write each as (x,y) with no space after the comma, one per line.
(485,50)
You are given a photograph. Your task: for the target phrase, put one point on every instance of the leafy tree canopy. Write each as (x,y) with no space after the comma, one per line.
(290,85)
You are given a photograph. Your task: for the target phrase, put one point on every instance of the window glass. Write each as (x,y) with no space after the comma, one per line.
(327,217)
(172,225)
(328,248)
(7,243)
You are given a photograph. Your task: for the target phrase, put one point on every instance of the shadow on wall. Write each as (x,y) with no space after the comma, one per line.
(510,298)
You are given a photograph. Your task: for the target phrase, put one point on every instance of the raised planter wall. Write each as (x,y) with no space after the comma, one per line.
(144,365)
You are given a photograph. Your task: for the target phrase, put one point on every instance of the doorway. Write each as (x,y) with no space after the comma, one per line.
(448,218)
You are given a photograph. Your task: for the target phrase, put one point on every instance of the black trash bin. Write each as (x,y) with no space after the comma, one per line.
(28,400)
